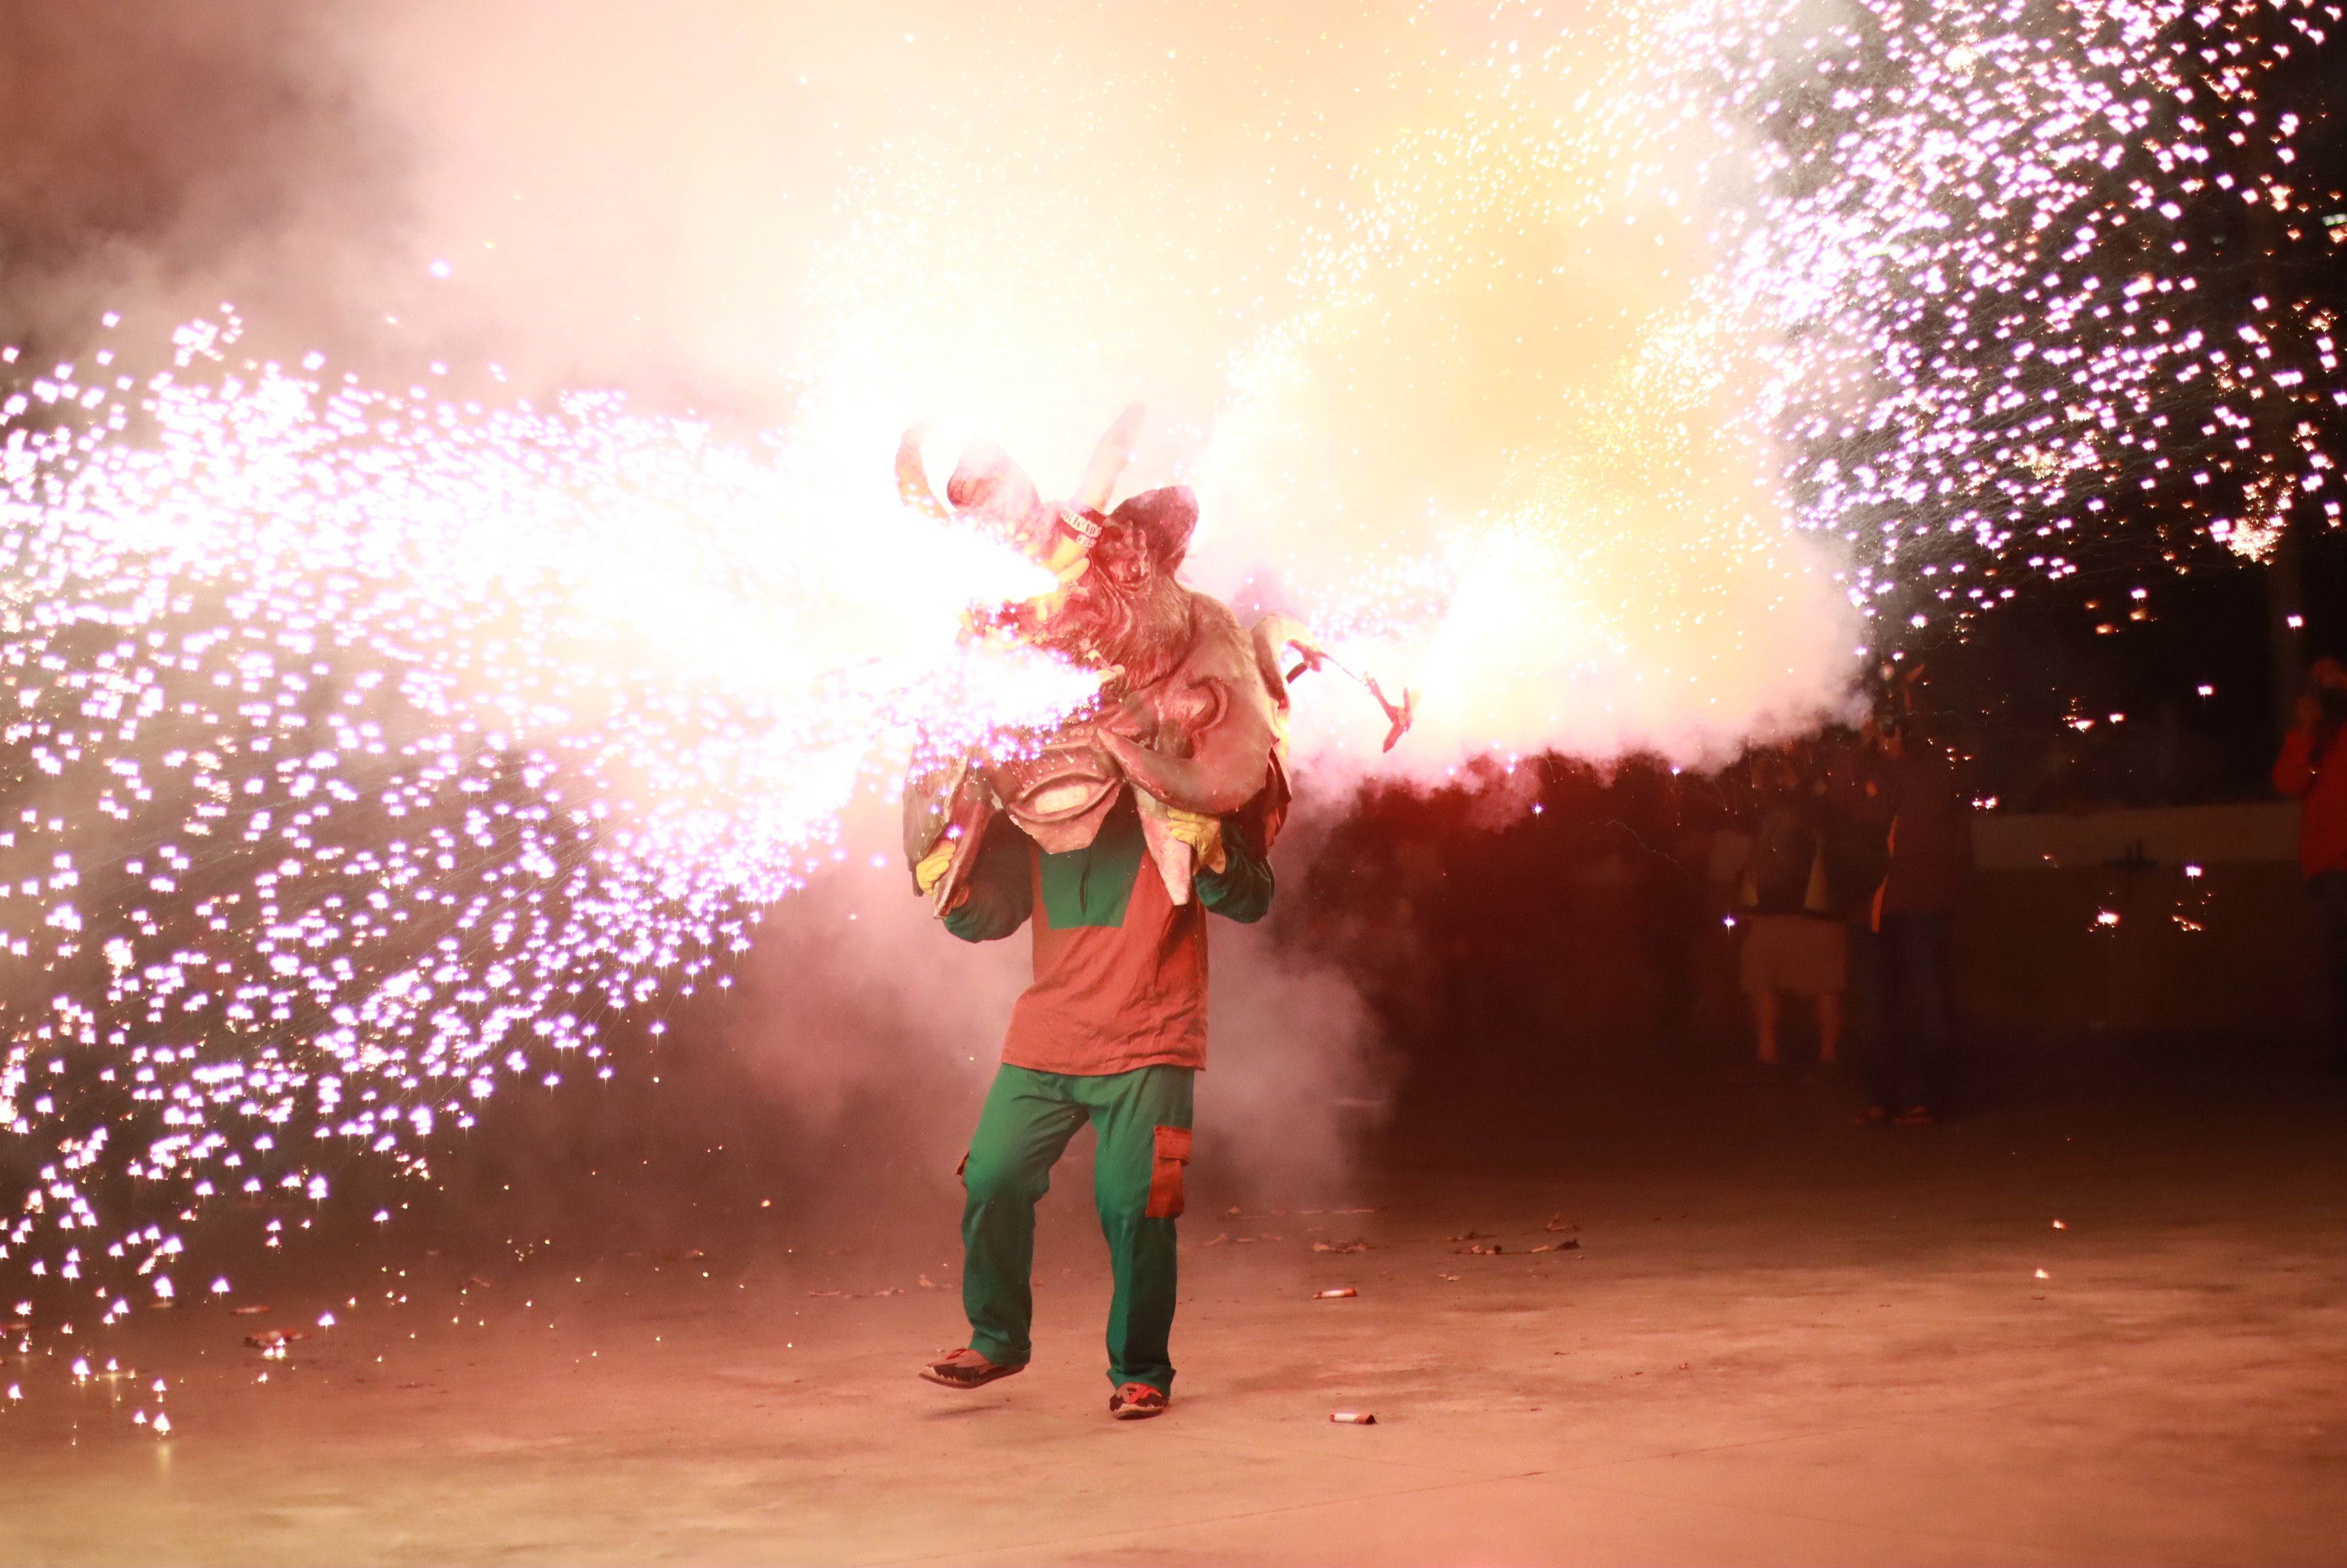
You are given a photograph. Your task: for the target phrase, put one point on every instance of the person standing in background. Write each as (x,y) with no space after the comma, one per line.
(1858,859)
(2312,771)
(1928,871)
(1793,940)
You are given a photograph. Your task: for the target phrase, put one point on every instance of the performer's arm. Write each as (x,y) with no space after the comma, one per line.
(1241,889)
(1000,893)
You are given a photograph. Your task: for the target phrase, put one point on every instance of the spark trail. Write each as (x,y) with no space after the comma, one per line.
(367,750)
(1980,294)
(2035,276)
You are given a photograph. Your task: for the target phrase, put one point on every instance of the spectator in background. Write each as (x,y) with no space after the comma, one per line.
(1903,981)
(2312,770)
(1858,859)
(1793,939)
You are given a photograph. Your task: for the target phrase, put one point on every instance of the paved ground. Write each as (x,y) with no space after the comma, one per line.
(1779,1339)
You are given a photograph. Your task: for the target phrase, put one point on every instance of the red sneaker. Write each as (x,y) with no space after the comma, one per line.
(1136,1402)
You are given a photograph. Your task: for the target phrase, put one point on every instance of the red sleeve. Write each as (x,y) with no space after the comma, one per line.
(2293,774)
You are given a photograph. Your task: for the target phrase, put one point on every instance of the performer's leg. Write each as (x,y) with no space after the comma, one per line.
(1142,1120)
(1923,971)
(1871,1018)
(1021,1133)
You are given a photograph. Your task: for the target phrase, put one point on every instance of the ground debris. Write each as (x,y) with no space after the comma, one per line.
(1353,1418)
(254,1310)
(1559,1223)
(275,1338)
(1339,1293)
(1478,1250)
(1340,1246)
(1571,1244)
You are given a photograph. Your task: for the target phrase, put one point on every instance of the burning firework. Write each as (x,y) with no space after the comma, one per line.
(374,748)
(368,749)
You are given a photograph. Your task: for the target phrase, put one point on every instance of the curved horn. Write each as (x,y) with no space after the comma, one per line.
(913,475)
(1110,459)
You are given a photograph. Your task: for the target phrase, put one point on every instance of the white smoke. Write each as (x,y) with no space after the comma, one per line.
(1444,378)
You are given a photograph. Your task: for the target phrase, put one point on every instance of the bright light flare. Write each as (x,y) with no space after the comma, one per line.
(374,749)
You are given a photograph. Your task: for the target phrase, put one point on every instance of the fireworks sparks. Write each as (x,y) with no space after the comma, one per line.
(370,749)
(1975,295)
(2001,348)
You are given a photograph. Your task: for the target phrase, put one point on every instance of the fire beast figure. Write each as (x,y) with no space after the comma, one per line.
(1112,838)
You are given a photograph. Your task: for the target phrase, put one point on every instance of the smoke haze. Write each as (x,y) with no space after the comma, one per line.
(1444,375)
(1446,381)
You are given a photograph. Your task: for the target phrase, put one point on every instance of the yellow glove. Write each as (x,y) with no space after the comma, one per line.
(933,865)
(1201,833)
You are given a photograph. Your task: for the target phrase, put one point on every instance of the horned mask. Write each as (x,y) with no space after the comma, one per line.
(1192,713)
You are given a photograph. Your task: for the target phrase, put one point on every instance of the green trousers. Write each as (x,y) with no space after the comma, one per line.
(1141,1120)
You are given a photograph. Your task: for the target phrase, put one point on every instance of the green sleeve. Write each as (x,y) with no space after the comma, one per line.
(1001,888)
(1241,889)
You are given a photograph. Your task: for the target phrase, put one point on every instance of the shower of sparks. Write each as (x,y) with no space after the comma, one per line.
(1977,295)
(1986,255)
(367,750)
(370,751)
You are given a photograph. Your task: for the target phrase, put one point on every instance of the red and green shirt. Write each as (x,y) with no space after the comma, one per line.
(1119,968)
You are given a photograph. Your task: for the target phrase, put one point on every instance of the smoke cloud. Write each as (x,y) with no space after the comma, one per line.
(161,159)
(1447,379)
(1441,368)
(1444,369)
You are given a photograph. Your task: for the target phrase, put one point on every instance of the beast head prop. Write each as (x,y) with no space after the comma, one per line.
(1191,712)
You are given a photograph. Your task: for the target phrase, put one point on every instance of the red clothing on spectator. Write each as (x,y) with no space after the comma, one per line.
(2322,786)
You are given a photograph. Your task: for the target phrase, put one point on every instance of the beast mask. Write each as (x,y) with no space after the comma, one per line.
(1191,712)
